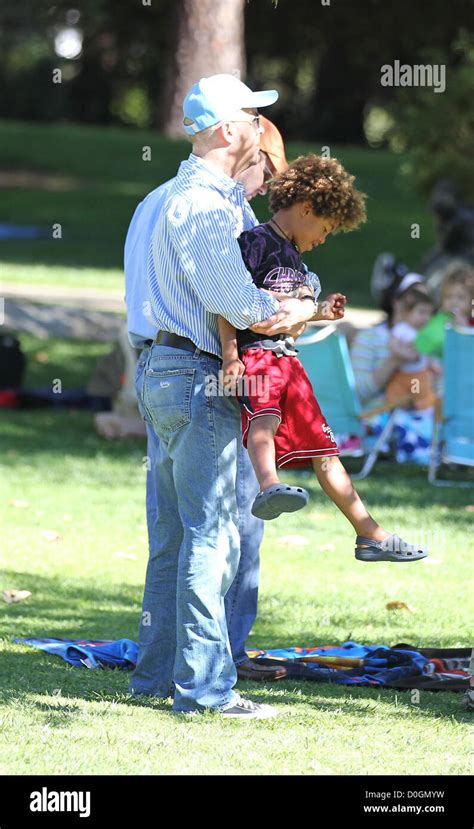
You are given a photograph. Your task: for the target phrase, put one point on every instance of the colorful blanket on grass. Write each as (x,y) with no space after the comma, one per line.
(348,664)
(89,653)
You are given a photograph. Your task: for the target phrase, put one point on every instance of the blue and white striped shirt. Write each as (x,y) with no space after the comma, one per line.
(137,244)
(195,269)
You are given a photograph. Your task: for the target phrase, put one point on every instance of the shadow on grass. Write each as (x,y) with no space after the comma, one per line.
(25,675)
(360,701)
(65,609)
(29,672)
(54,433)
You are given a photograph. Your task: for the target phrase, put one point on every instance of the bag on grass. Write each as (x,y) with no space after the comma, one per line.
(12,362)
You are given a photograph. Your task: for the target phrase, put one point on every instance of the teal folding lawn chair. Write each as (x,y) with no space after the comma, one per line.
(453,435)
(325,356)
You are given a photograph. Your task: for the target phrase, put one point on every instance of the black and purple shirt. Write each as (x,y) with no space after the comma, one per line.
(275,264)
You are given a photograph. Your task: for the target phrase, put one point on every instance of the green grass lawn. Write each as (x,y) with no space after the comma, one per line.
(55,719)
(104,178)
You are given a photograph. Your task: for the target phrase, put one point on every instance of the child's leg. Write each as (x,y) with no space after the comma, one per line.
(337,484)
(261,448)
(274,497)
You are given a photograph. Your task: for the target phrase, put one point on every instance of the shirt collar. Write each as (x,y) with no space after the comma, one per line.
(195,166)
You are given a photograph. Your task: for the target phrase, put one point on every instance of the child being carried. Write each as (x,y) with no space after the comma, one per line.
(282,422)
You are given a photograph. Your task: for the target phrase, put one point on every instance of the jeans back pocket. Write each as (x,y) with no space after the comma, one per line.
(167,396)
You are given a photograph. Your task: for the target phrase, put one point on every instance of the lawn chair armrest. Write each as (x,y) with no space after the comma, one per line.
(398,403)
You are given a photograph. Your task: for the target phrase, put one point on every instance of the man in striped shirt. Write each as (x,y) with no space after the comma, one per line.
(195,273)
(241,600)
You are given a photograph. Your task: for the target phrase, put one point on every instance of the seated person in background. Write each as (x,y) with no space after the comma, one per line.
(376,356)
(124,420)
(414,380)
(457,307)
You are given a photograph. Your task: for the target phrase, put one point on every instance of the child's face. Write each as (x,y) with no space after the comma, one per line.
(310,230)
(457,301)
(420,315)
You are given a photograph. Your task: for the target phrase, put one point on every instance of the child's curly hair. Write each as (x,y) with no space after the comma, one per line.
(326,185)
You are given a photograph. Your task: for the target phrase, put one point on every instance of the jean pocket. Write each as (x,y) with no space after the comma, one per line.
(167,397)
(139,377)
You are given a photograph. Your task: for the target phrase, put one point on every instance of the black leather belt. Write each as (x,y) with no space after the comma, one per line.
(176,341)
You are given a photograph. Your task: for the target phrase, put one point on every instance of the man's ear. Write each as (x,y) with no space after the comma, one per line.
(306,208)
(226,133)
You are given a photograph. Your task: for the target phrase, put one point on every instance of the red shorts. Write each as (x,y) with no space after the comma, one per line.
(280,386)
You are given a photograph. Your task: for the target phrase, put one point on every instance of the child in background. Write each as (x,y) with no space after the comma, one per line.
(415,380)
(282,423)
(457,307)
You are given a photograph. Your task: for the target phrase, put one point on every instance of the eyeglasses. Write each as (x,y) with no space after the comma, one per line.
(255,121)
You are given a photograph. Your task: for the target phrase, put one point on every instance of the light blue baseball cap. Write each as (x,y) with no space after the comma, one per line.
(219,97)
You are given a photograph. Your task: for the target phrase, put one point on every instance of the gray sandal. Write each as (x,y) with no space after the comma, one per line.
(279,498)
(392,549)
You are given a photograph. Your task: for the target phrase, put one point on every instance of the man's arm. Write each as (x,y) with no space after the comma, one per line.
(202,235)
(203,238)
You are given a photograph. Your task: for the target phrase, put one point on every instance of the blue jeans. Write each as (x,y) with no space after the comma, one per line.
(242,597)
(241,600)
(194,554)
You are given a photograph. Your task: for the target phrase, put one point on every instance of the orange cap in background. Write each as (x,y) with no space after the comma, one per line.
(272,144)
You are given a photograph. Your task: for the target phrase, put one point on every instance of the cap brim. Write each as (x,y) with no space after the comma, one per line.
(258,100)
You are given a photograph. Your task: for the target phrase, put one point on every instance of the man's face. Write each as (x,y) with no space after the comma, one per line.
(255,178)
(248,137)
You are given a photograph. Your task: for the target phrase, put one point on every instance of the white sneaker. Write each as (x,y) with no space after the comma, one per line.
(245,709)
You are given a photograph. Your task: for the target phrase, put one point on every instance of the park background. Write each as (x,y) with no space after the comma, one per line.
(72,505)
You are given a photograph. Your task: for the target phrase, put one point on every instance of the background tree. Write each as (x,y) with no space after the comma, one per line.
(137,61)
(210,40)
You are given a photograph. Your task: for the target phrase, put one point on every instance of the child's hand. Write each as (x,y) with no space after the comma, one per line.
(332,308)
(232,370)
(402,352)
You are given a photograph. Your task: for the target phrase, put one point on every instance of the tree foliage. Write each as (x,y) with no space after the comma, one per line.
(138,56)
(437,130)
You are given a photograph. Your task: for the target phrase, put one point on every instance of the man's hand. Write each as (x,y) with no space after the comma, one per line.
(292,312)
(297,330)
(332,308)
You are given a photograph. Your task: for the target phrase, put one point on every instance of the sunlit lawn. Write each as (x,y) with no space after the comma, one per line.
(88,584)
(101,177)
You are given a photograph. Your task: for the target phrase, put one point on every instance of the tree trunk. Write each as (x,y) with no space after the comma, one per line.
(210,40)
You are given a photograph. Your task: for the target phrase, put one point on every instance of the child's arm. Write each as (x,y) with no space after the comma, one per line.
(232,366)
